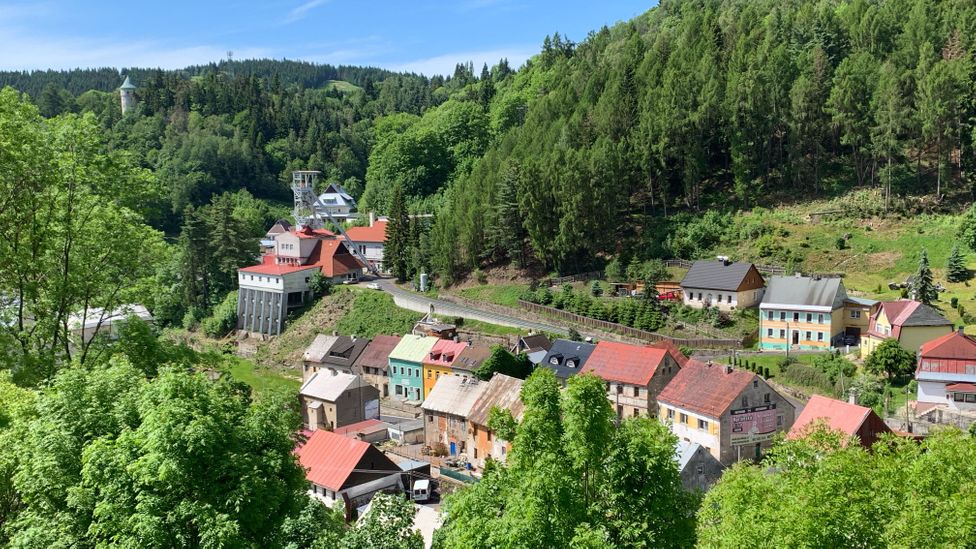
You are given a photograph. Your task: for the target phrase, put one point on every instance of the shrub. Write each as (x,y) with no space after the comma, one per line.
(192,318)
(574,335)
(954,302)
(841,243)
(320,284)
(766,372)
(224,318)
(596,290)
(808,376)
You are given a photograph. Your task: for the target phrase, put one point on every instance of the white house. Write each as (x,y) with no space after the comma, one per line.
(946,372)
(369,240)
(86,324)
(336,202)
(281,281)
(722,284)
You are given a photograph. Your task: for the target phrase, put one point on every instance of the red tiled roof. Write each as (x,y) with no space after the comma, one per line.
(329,458)
(308,232)
(367,426)
(839,416)
(376,233)
(447,352)
(954,346)
(961,388)
(707,389)
(269,267)
(625,363)
(670,347)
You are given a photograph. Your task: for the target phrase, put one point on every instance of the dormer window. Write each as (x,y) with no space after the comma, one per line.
(555,360)
(570,363)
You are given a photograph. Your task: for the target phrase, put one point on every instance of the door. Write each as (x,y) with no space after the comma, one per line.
(796,337)
(453,449)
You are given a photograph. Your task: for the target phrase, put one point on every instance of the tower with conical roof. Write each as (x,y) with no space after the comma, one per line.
(127,91)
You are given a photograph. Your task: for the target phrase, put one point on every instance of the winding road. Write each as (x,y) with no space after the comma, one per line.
(421,304)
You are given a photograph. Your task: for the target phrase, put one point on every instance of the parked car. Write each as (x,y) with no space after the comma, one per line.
(373,286)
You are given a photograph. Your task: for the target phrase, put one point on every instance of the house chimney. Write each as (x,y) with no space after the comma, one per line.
(372,218)
(335,333)
(852,397)
(962,330)
(353,337)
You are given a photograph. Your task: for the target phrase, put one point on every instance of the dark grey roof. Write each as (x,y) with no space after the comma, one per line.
(345,351)
(804,290)
(562,353)
(715,275)
(536,341)
(924,315)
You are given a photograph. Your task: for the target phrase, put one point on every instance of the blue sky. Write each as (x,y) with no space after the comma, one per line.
(413,35)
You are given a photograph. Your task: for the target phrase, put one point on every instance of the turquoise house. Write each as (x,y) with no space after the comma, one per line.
(406,366)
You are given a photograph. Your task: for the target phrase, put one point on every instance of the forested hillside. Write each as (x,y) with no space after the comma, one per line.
(613,144)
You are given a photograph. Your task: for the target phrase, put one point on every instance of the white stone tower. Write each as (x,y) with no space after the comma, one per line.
(128,93)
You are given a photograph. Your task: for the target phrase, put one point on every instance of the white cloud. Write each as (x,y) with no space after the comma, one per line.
(299,12)
(444,64)
(20,50)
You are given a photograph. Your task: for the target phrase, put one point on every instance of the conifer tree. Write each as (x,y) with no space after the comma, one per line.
(396,252)
(922,288)
(956,270)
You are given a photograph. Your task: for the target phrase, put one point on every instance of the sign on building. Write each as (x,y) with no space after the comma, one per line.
(755,424)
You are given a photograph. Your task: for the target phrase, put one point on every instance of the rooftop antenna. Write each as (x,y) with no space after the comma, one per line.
(309,212)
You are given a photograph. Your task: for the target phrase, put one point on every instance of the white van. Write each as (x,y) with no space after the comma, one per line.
(421,490)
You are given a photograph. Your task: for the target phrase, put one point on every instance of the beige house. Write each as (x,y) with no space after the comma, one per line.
(910,322)
(446,411)
(330,399)
(732,413)
(722,284)
(634,374)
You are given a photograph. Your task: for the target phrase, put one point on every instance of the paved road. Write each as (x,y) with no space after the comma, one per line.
(421,304)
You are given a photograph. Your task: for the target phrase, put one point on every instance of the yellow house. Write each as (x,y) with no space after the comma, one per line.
(440,361)
(910,322)
(801,312)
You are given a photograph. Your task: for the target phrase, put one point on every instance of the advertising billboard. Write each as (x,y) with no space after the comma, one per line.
(755,424)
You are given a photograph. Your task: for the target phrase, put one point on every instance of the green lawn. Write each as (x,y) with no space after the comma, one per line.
(342,86)
(500,294)
(489,329)
(261,379)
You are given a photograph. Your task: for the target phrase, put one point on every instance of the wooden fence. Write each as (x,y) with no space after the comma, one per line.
(699,343)
(581,277)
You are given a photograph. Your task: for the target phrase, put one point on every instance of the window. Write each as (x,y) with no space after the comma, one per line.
(769,315)
(782,334)
(620,389)
(855,314)
(671,413)
(570,363)
(820,318)
(399,390)
(636,391)
(782,316)
(428,374)
(755,384)
(820,336)
(683,418)
(719,298)
(636,412)
(796,317)
(769,332)
(430,419)
(702,424)
(809,317)
(970,398)
(699,469)
(699,296)
(779,421)
(958,397)
(809,337)
(766,398)
(745,401)
(728,298)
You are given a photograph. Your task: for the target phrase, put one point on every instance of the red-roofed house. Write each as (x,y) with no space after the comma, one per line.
(635,374)
(335,464)
(946,371)
(910,322)
(850,419)
(370,240)
(733,413)
(281,281)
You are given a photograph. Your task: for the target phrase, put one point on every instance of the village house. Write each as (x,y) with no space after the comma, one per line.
(698,468)
(910,322)
(502,392)
(847,418)
(280,283)
(733,413)
(446,412)
(946,371)
(440,361)
(314,356)
(335,202)
(372,431)
(329,400)
(470,359)
(280,226)
(722,284)
(804,313)
(370,240)
(566,358)
(335,352)
(373,362)
(634,374)
(407,365)
(337,466)
(535,346)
